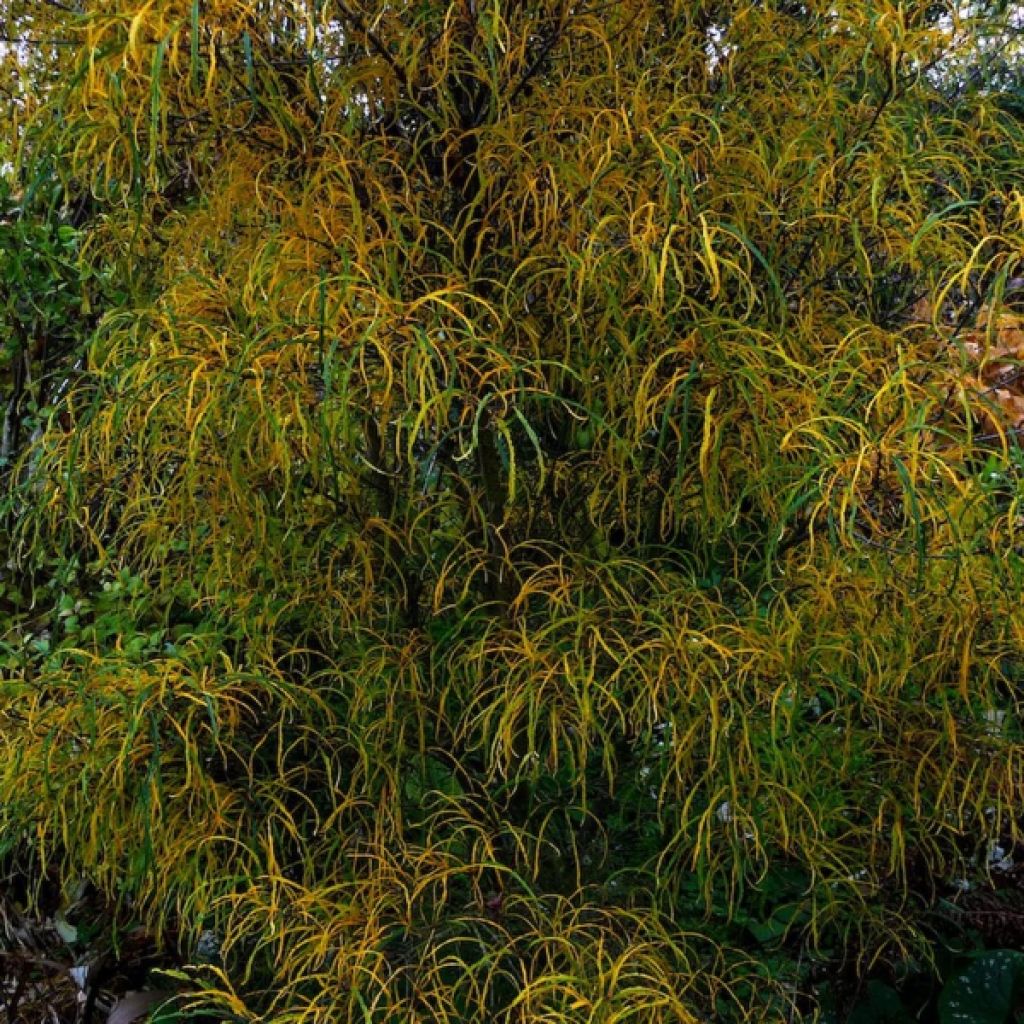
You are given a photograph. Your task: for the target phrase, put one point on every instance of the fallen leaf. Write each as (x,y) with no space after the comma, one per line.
(132,1005)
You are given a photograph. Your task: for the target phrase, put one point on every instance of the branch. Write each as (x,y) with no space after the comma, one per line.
(375,40)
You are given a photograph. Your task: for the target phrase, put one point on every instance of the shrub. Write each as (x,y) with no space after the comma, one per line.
(537,522)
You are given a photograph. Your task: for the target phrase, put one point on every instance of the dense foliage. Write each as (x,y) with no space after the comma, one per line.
(512,510)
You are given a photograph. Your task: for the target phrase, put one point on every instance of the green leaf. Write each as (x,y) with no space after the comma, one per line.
(67,931)
(986,992)
(881,1005)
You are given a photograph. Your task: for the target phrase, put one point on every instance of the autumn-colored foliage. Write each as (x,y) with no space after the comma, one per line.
(525,522)
(995,350)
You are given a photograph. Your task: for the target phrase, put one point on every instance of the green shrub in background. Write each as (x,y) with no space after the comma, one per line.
(534,533)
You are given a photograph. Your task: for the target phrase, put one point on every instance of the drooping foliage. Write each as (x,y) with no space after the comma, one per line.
(537,512)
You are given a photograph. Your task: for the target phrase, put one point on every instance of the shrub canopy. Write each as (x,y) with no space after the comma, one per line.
(510,506)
